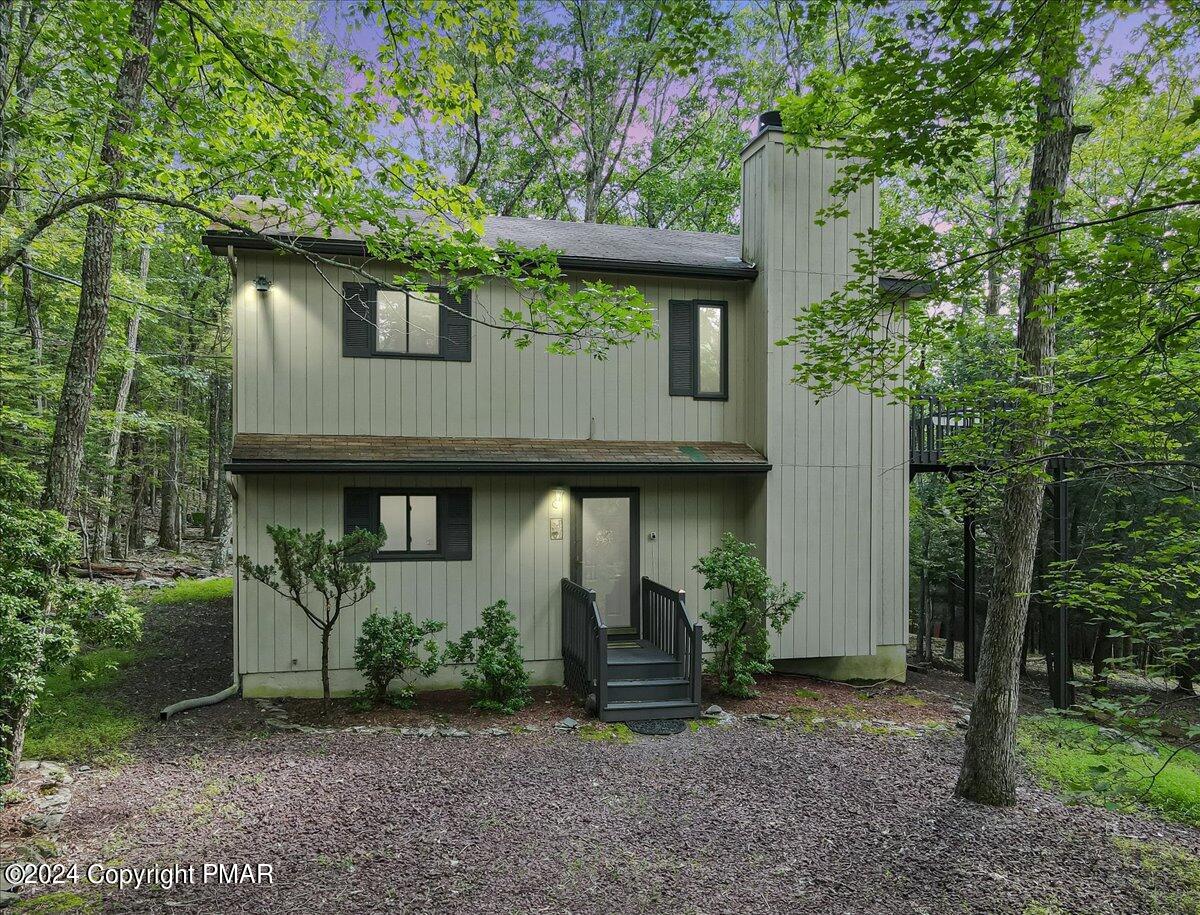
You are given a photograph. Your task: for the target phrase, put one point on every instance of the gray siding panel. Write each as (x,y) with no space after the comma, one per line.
(514,557)
(292,377)
(833,514)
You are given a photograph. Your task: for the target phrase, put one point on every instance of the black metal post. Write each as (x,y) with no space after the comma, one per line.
(970,643)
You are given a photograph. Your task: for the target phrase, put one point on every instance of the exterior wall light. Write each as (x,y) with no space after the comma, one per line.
(262,284)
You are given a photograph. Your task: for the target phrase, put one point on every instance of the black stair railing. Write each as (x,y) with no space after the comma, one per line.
(584,644)
(930,425)
(667,626)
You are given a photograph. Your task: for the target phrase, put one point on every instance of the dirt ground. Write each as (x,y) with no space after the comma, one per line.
(757,816)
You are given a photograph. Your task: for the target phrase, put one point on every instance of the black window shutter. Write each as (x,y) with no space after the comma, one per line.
(681,350)
(456,523)
(361,511)
(358,301)
(455,327)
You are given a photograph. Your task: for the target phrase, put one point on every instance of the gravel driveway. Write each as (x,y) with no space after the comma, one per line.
(748,818)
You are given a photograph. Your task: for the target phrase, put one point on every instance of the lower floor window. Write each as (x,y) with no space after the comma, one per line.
(416,524)
(410,523)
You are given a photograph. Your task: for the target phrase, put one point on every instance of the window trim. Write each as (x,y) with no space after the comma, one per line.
(723,308)
(443,493)
(373,320)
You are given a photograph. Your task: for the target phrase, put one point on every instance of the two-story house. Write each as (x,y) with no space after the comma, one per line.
(582,491)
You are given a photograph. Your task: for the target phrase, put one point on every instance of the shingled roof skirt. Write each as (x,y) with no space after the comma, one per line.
(218,241)
(272,453)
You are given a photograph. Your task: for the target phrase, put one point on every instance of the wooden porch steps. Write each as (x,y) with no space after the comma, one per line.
(645,683)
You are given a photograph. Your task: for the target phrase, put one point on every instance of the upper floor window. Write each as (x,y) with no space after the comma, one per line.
(398,323)
(407,322)
(698,345)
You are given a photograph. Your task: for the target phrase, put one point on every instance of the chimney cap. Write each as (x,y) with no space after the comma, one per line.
(770,120)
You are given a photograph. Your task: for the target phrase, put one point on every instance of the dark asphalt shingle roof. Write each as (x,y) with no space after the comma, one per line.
(267,451)
(579,245)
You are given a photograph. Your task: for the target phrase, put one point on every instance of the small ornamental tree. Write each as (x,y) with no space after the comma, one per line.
(321,577)
(498,681)
(738,624)
(44,618)
(389,648)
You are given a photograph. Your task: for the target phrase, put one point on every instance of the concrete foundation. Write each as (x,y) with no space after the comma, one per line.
(888,663)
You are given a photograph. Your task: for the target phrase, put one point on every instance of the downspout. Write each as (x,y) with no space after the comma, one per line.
(232,689)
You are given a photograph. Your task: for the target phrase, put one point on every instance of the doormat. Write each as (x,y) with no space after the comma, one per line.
(659,727)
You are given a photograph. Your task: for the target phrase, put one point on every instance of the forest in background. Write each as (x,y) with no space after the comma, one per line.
(1038,166)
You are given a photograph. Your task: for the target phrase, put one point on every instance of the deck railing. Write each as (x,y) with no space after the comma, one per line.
(931,424)
(667,626)
(584,643)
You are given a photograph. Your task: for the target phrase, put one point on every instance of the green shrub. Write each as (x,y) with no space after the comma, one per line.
(499,681)
(390,649)
(738,625)
(45,619)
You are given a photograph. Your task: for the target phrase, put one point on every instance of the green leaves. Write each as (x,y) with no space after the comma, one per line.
(739,624)
(499,680)
(390,648)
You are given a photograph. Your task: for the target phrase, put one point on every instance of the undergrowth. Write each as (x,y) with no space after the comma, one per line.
(194,590)
(73,720)
(1095,766)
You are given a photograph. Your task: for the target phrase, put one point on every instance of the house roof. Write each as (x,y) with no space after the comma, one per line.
(581,245)
(271,453)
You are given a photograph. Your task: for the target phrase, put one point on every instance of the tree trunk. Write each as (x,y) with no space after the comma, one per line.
(325,632)
(78,390)
(989,769)
(13,726)
(999,161)
(117,531)
(114,437)
(168,515)
(136,532)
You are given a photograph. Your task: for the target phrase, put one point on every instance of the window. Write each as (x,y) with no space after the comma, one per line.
(418,524)
(698,347)
(410,523)
(403,324)
(407,322)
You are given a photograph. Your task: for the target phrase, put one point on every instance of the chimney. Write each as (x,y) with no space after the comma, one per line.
(769,120)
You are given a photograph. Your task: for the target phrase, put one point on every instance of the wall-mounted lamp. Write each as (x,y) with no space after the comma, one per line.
(262,284)
(557,498)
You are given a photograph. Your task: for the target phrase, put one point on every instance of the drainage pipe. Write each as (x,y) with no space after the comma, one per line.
(200,701)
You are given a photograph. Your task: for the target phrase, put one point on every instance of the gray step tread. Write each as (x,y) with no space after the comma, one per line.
(638,656)
(657,703)
(649,681)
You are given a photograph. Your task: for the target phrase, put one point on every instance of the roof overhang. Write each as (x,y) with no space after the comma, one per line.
(219,241)
(271,453)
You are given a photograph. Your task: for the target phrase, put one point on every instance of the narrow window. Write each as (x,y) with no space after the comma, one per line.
(698,349)
(710,360)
